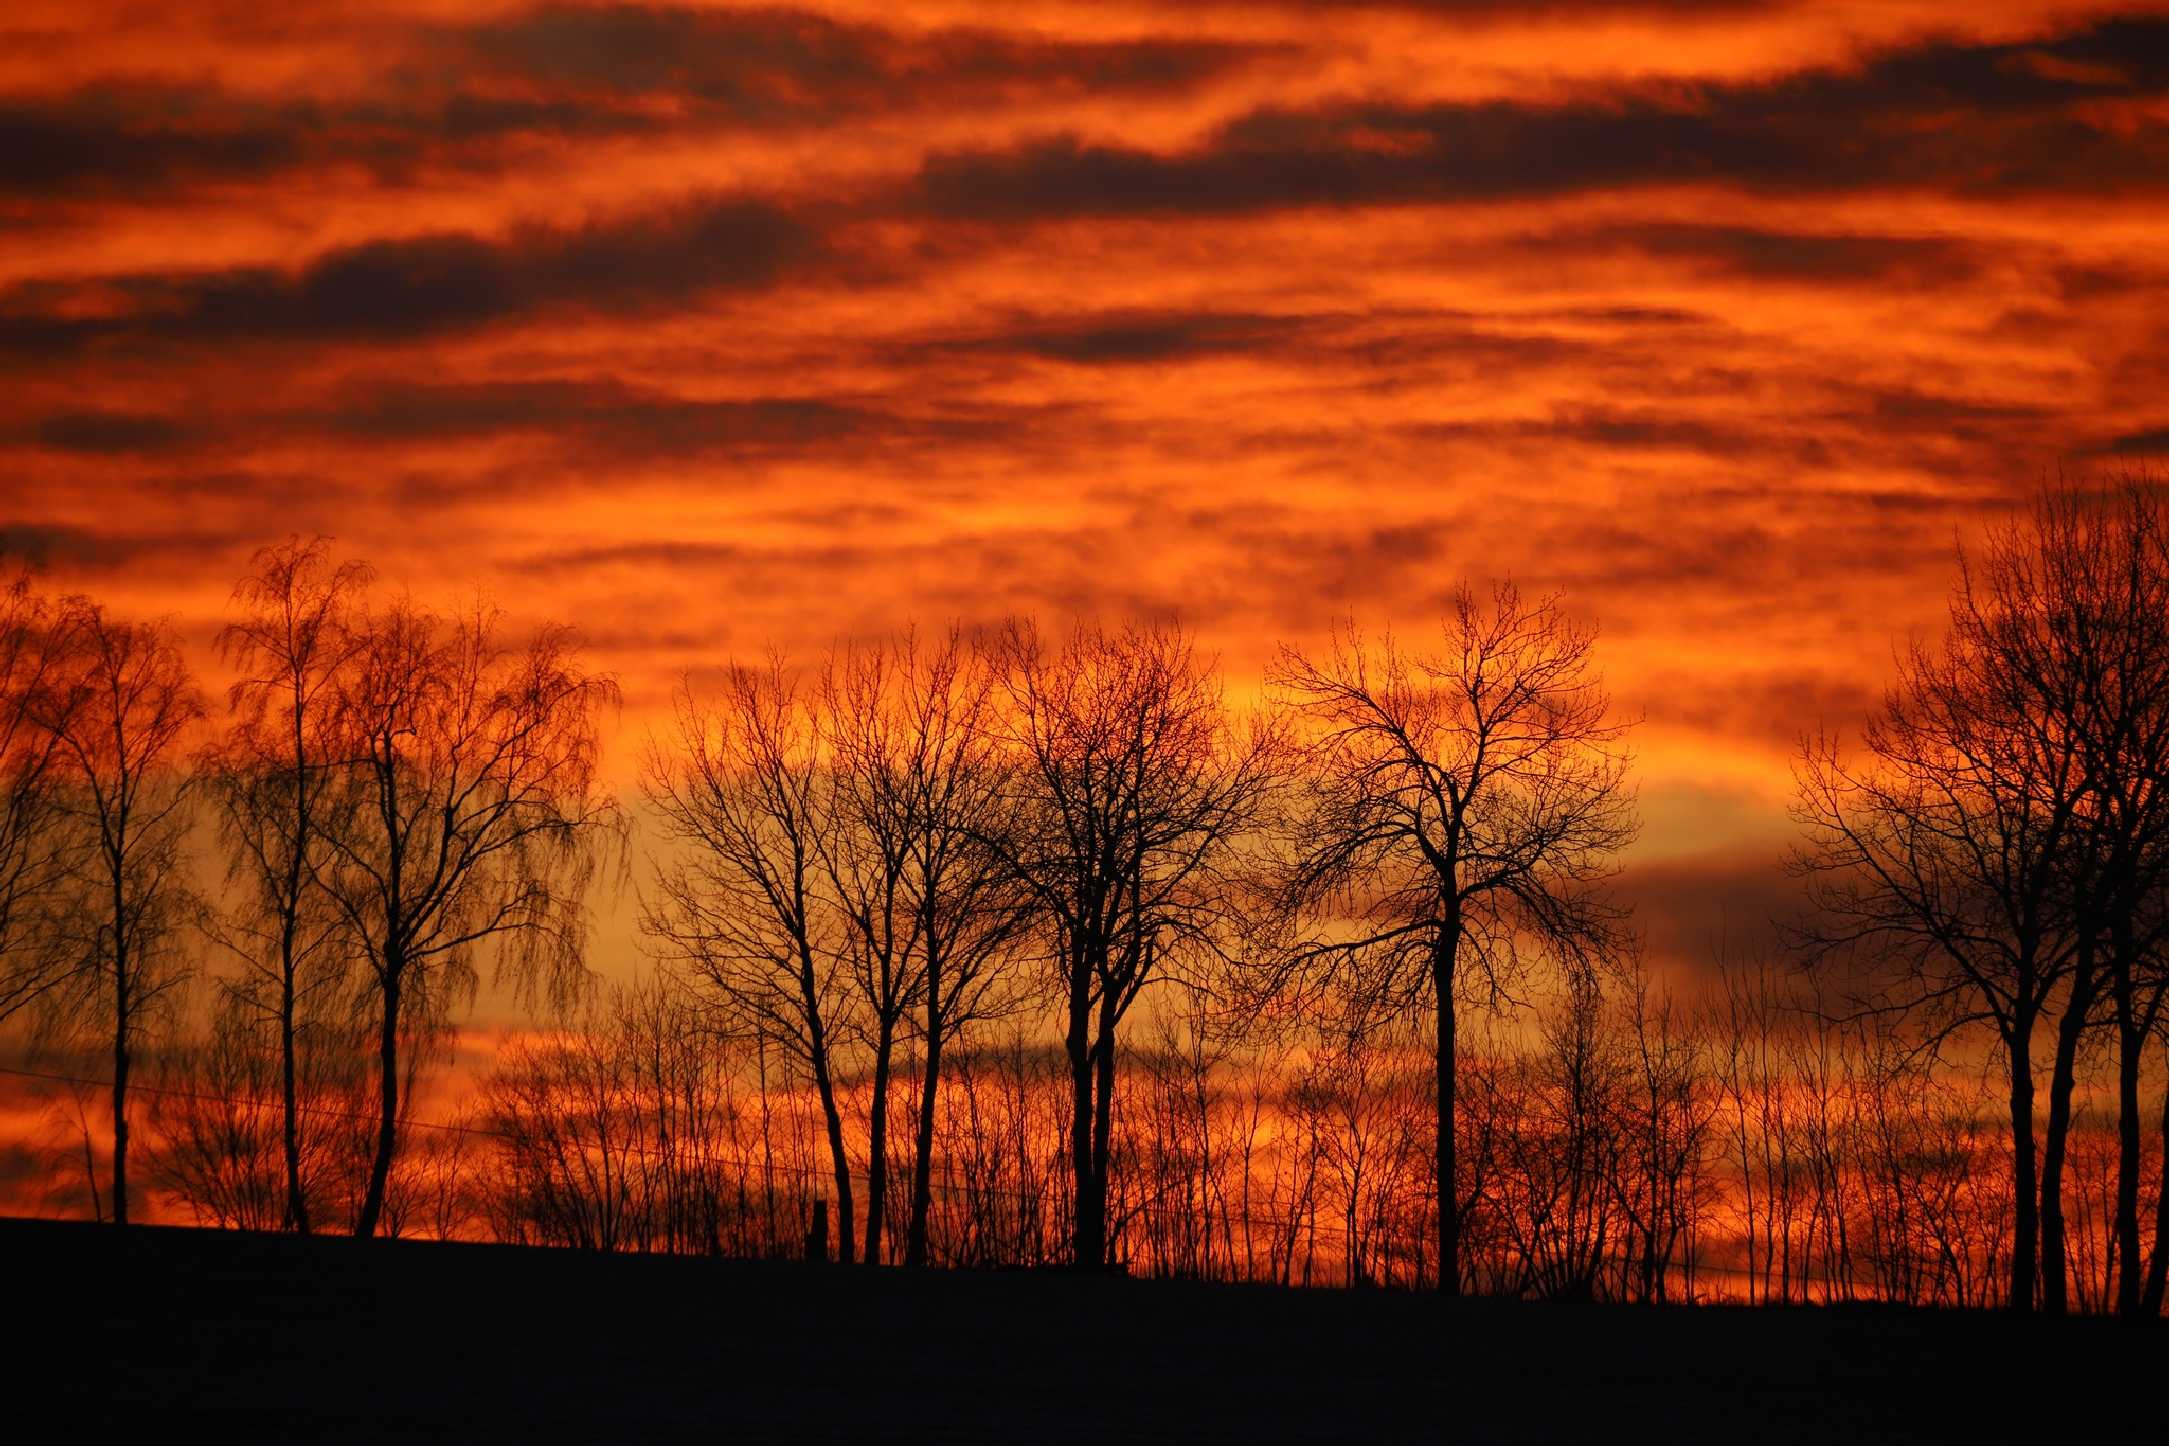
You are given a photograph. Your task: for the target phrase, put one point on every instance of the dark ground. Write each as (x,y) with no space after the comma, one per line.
(180,1334)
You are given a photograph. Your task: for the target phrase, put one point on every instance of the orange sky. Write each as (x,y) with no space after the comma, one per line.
(704,326)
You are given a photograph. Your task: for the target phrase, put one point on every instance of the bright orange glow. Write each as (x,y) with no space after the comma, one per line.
(705,327)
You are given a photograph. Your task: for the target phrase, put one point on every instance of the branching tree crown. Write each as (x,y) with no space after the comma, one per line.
(472,818)
(1466,804)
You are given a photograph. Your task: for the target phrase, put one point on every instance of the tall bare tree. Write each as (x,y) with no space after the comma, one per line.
(273,777)
(470,817)
(1941,859)
(34,844)
(1131,791)
(121,709)
(972,909)
(924,889)
(741,789)
(2101,561)
(1667,1119)
(866,851)
(1465,805)
(1998,847)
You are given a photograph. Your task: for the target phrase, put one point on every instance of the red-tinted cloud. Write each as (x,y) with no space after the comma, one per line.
(703,326)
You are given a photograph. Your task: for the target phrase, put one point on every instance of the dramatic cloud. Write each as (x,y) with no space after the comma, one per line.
(462,99)
(416,287)
(1966,119)
(1794,256)
(779,66)
(706,327)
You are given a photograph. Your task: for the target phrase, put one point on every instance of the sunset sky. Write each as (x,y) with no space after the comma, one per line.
(701,327)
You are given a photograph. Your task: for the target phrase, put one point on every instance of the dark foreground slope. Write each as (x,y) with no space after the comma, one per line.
(169,1333)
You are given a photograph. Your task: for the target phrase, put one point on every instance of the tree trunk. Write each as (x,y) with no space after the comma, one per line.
(839,1159)
(2130,1043)
(922,1155)
(2063,1078)
(2024,1188)
(1103,1116)
(877,1143)
(2157,1266)
(1088,1226)
(120,1103)
(1449,1200)
(825,1087)
(380,1167)
(297,1206)
(116,862)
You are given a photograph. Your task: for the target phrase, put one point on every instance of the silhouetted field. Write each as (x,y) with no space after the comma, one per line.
(254,1337)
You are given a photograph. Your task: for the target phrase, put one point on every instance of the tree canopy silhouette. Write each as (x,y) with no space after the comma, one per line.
(1464,804)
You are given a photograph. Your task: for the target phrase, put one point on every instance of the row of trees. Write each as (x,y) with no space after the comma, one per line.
(913,837)
(920,837)
(1624,1144)
(1999,853)
(392,790)
(868,869)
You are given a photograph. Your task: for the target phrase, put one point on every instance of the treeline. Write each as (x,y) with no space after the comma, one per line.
(1003,948)
(1619,1146)
(1997,858)
(391,791)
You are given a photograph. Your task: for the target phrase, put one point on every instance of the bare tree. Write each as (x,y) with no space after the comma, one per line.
(1563,1148)
(1666,1116)
(1464,805)
(741,792)
(866,853)
(1131,790)
(470,817)
(1988,853)
(120,710)
(2100,564)
(1938,859)
(272,778)
(34,844)
(216,1142)
(918,771)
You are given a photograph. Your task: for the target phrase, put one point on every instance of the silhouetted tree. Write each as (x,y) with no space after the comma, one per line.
(1759,1014)
(120,708)
(865,850)
(1130,789)
(742,790)
(34,843)
(1464,803)
(272,777)
(2100,569)
(1666,1109)
(1564,1145)
(468,817)
(919,773)
(1998,843)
